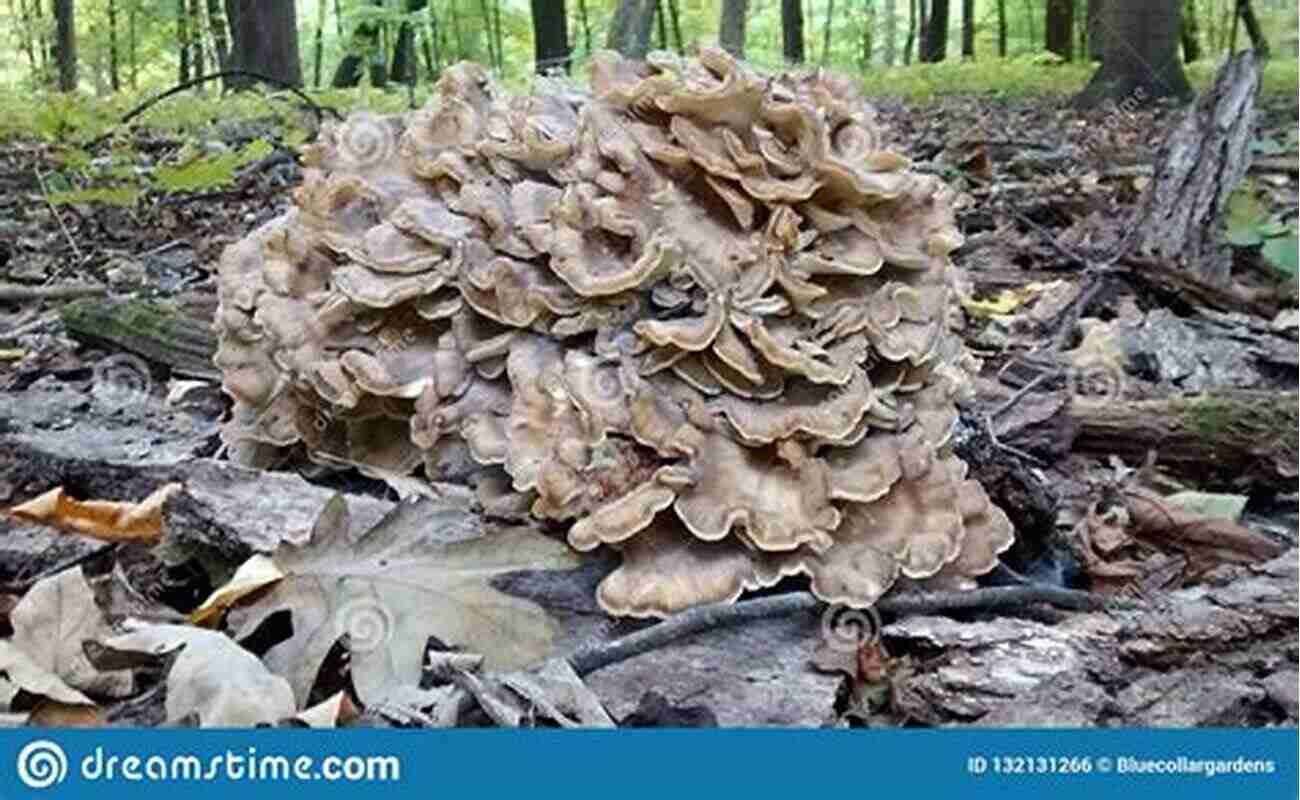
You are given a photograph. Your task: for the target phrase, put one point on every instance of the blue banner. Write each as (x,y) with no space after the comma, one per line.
(1092,764)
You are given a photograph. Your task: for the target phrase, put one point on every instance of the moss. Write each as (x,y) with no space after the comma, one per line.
(1246,416)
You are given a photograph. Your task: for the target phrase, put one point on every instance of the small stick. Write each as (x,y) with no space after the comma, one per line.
(58,217)
(715,615)
(12,292)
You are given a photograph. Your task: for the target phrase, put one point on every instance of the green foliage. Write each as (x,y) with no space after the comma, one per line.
(121,196)
(1248,225)
(200,173)
(1283,253)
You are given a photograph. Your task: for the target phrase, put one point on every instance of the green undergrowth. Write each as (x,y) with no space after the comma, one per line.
(209,137)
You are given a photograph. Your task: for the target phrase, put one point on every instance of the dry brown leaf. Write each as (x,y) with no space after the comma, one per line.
(107,520)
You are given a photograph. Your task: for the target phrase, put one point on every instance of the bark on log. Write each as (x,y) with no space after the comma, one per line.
(158,332)
(1225,436)
(1178,232)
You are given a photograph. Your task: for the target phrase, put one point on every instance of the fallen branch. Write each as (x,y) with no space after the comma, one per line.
(716,615)
(15,293)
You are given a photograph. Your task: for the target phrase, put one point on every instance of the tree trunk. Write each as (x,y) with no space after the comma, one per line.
(217,24)
(1002,28)
(629,33)
(114,72)
(911,32)
(25,41)
(1059,28)
(1096,33)
(891,32)
(364,49)
(264,41)
(968,29)
(66,37)
(131,48)
(405,67)
(318,55)
(585,20)
(1140,56)
(1191,33)
(826,33)
(182,42)
(676,21)
(936,34)
(731,26)
(1178,229)
(1222,436)
(792,31)
(197,57)
(661,24)
(550,36)
(1253,29)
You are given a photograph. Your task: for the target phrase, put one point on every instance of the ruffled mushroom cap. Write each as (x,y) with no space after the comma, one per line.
(699,316)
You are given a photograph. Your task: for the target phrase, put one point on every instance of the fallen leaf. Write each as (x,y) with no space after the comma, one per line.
(1208,504)
(50,624)
(24,683)
(212,677)
(331,712)
(108,520)
(256,573)
(422,571)
(49,714)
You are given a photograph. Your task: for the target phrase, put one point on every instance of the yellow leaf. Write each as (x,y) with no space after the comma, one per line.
(108,520)
(1004,303)
(257,572)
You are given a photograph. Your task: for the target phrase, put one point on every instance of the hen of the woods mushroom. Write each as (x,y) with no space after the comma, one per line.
(698,315)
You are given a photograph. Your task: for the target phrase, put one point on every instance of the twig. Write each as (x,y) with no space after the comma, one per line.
(12,292)
(716,615)
(316,108)
(57,216)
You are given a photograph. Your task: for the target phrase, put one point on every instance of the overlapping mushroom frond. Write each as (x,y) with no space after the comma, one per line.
(700,314)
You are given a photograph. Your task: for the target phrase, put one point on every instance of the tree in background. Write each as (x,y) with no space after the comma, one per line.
(629,32)
(66,43)
(1140,53)
(731,26)
(1095,33)
(934,44)
(891,32)
(1191,33)
(264,42)
(792,31)
(968,29)
(550,36)
(1059,28)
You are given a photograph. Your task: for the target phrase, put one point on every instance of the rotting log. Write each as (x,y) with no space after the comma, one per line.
(1178,239)
(156,331)
(1227,437)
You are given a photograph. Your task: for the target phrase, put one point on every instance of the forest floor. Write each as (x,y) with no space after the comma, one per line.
(1084,369)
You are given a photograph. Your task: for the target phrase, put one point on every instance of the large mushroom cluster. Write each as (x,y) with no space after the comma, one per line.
(698,315)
